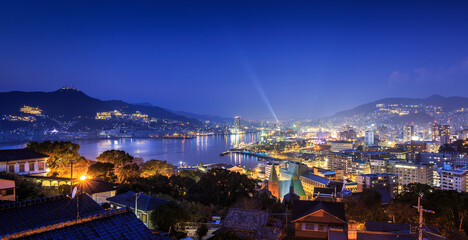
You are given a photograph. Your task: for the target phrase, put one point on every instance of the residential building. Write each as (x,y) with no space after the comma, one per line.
(57,218)
(23,161)
(413,173)
(337,146)
(313,219)
(145,205)
(369,138)
(7,189)
(454,180)
(337,161)
(387,181)
(408,133)
(251,224)
(383,165)
(382,231)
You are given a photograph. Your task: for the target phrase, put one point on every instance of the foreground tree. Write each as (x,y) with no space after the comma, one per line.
(167,215)
(124,165)
(103,171)
(221,187)
(61,154)
(156,167)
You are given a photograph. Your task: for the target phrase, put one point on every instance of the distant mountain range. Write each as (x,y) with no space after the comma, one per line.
(69,104)
(452,110)
(447,104)
(201,117)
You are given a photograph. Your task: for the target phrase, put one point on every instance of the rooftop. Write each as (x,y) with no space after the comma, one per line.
(19,154)
(115,224)
(18,216)
(302,208)
(245,219)
(317,178)
(145,202)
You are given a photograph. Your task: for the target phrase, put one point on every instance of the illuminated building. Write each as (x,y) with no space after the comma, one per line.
(454,180)
(441,133)
(23,161)
(31,110)
(237,124)
(337,146)
(337,161)
(378,180)
(369,138)
(20,118)
(103,115)
(408,133)
(414,173)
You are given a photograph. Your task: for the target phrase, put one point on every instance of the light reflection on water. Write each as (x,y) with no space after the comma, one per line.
(202,149)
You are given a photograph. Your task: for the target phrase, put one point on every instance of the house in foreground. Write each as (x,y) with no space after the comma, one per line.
(57,218)
(313,219)
(145,205)
(7,189)
(382,231)
(23,161)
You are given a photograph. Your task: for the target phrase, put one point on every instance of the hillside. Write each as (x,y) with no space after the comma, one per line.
(71,103)
(446,103)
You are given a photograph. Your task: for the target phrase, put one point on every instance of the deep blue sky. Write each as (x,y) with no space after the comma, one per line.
(312,58)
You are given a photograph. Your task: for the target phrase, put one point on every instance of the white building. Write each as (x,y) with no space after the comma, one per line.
(23,161)
(454,180)
(369,138)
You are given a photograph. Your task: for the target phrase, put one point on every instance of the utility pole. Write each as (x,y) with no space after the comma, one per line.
(71,175)
(136,203)
(421,220)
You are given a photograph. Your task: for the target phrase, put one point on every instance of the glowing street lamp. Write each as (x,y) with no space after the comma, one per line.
(82,178)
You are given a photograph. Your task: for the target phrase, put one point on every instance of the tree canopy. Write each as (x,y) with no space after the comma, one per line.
(156,167)
(61,154)
(221,187)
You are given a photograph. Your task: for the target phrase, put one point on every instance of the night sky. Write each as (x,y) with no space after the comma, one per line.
(309,58)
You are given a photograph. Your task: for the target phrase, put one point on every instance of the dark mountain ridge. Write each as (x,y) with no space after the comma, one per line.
(447,104)
(71,103)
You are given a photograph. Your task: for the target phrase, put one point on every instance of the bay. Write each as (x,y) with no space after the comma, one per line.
(201,149)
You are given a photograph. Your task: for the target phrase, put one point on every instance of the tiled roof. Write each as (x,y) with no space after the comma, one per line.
(245,219)
(387,227)
(340,234)
(303,208)
(145,202)
(19,154)
(116,224)
(24,215)
(317,178)
(92,186)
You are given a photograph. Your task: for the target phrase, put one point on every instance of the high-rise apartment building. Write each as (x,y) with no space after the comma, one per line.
(454,180)
(369,138)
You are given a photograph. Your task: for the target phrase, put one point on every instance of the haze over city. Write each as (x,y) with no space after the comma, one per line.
(305,58)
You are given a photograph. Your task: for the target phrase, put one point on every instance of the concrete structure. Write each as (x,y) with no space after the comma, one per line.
(408,133)
(454,180)
(387,181)
(337,161)
(337,146)
(369,138)
(413,173)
